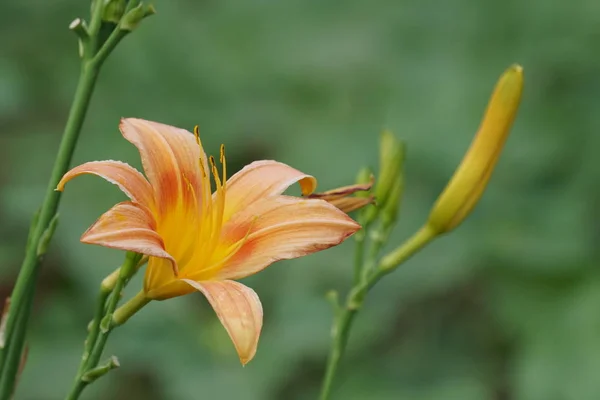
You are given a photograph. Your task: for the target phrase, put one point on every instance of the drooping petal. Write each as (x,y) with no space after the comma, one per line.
(239,310)
(349,204)
(170,157)
(341,197)
(281,228)
(128,226)
(127,178)
(343,191)
(263,179)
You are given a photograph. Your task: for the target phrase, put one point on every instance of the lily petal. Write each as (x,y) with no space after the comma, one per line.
(170,157)
(263,179)
(128,179)
(239,310)
(128,226)
(349,204)
(282,228)
(343,191)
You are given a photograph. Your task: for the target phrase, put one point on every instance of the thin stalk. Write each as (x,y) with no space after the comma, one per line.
(345,318)
(101,327)
(341,332)
(29,269)
(126,311)
(14,349)
(359,251)
(94,330)
(94,54)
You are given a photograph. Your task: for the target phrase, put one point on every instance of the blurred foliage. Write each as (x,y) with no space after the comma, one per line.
(507,307)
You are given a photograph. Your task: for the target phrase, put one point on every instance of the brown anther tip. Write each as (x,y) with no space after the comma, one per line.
(197,134)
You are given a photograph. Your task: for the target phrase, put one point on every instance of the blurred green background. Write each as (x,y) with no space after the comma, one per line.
(507,307)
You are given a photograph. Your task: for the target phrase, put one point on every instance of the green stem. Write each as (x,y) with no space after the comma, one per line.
(378,238)
(341,331)
(110,44)
(343,321)
(407,249)
(359,251)
(94,54)
(126,311)
(29,269)
(102,326)
(94,329)
(14,349)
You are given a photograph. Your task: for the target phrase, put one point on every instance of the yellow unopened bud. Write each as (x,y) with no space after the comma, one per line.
(391,157)
(470,179)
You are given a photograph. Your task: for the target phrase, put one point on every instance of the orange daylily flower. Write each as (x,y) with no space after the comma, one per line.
(198,241)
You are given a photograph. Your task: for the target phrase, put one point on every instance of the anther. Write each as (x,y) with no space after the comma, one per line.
(197,134)
(214,170)
(201,163)
(223,164)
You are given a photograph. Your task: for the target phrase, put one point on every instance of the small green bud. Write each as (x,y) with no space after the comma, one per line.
(391,157)
(368,213)
(133,18)
(47,236)
(113,10)
(389,210)
(365,175)
(95,373)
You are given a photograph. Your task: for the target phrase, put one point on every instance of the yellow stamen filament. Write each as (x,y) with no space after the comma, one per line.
(230,252)
(210,212)
(189,251)
(224,165)
(219,205)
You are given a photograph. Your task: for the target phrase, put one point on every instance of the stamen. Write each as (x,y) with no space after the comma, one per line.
(200,160)
(201,163)
(230,251)
(224,164)
(215,172)
(217,212)
(197,134)
(189,251)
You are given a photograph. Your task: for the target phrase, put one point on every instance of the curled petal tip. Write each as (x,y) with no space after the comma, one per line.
(239,310)
(516,68)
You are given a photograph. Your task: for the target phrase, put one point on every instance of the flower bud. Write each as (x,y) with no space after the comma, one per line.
(133,18)
(391,156)
(389,211)
(470,179)
(367,214)
(113,10)
(364,176)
